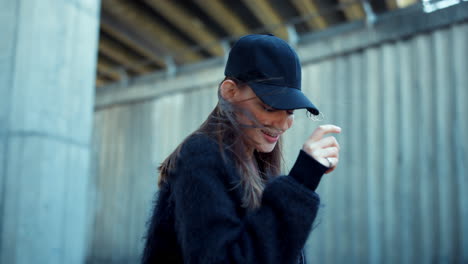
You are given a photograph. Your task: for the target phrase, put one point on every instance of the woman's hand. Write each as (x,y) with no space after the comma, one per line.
(324,149)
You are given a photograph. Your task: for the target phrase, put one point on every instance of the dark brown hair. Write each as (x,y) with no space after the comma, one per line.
(222,124)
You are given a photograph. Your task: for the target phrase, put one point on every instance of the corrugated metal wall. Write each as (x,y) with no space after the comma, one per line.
(399,193)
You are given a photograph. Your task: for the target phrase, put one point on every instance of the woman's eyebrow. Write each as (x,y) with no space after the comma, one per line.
(271,107)
(275,109)
(267,106)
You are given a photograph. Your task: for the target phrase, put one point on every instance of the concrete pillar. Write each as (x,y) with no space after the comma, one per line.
(48,51)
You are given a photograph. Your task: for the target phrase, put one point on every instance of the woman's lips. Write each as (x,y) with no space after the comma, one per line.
(271,138)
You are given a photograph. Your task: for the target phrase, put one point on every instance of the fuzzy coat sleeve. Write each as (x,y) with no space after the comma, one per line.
(209,228)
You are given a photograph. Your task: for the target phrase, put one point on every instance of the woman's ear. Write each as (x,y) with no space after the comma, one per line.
(229,90)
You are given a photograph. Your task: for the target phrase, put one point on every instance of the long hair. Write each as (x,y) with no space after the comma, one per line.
(222,124)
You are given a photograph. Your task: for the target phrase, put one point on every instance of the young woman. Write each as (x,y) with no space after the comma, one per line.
(221,196)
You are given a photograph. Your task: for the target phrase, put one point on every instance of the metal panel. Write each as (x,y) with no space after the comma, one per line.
(373,155)
(354,155)
(425,159)
(340,180)
(326,94)
(444,107)
(407,152)
(391,169)
(459,138)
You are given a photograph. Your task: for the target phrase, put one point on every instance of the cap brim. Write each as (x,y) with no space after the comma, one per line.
(283,98)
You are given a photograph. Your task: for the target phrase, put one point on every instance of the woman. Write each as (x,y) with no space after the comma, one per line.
(221,198)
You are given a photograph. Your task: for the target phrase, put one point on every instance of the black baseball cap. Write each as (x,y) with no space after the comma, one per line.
(272,69)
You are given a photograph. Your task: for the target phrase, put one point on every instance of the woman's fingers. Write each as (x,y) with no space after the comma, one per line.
(324,149)
(327,152)
(328,157)
(324,143)
(333,161)
(322,130)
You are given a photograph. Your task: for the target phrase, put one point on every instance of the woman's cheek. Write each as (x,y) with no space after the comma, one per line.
(290,121)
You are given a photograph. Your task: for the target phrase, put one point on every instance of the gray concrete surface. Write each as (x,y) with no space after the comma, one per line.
(48,53)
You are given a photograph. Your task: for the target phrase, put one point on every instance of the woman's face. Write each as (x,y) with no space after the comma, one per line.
(275,122)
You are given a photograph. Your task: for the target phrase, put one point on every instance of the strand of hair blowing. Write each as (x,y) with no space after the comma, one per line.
(223,126)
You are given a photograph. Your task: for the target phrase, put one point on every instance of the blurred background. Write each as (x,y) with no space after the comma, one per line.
(95,94)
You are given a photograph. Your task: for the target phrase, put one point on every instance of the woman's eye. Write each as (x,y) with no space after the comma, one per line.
(268,109)
(290,112)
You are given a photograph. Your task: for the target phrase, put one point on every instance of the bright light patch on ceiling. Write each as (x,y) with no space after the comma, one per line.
(431,6)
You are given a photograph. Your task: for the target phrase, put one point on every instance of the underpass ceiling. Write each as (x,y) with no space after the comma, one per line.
(144,36)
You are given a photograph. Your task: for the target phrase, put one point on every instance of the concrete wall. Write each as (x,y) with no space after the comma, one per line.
(48,53)
(398,90)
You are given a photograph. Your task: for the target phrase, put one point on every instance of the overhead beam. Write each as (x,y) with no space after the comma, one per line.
(308,8)
(107,69)
(100,82)
(394,4)
(121,32)
(268,16)
(122,56)
(224,17)
(353,10)
(192,26)
(325,44)
(145,25)
(391,4)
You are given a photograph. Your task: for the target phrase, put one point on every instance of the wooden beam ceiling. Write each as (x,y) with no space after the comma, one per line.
(193,27)
(308,8)
(145,25)
(353,10)
(392,4)
(224,17)
(120,55)
(120,32)
(268,16)
(108,69)
(100,81)
(395,4)
(147,35)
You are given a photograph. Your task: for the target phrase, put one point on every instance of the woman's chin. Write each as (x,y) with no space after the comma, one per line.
(266,148)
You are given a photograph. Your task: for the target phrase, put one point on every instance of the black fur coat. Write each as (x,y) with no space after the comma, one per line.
(198,216)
